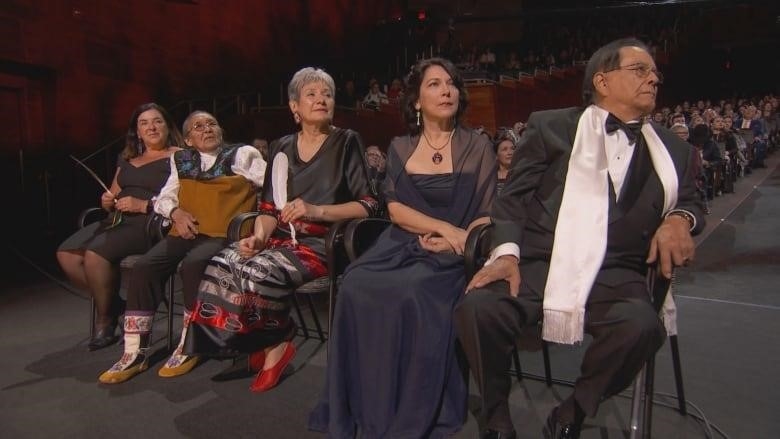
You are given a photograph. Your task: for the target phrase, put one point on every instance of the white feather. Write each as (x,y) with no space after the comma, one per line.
(279,171)
(279,179)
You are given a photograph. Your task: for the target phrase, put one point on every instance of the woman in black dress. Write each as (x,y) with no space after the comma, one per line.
(244,299)
(90,257)
(392,369)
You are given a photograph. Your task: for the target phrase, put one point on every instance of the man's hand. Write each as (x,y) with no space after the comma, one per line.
(503,268)
(185,223)
(672,245)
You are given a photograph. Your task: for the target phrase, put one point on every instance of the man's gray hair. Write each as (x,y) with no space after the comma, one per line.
(604,59)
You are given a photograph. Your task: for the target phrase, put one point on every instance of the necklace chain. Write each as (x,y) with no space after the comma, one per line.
(437,158)
(439,148)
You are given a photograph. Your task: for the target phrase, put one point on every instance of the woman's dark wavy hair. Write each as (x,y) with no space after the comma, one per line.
(412,85)
(604,59)
(134,146)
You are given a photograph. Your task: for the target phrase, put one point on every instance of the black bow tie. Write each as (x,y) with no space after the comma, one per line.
(632,129)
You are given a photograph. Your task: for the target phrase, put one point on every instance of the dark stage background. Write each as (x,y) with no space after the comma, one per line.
(71,71)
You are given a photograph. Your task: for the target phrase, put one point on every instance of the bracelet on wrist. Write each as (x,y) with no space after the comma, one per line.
(687,216)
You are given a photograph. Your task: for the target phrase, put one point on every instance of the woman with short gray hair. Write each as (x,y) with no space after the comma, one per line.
(318,176)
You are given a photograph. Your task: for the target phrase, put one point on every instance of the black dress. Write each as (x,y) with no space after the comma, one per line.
(129,237)
(392,370)
(243,304)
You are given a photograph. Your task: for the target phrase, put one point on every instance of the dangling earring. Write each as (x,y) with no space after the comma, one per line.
(297,118)
(418,117)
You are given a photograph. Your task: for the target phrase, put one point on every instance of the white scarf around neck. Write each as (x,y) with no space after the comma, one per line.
(580,241)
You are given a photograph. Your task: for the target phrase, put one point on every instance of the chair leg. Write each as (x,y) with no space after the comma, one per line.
(92,311)
(678,380)
(331,306)
(315,318)
(518,369)
(547,371)
(647,421)
(298,312)
(635,425)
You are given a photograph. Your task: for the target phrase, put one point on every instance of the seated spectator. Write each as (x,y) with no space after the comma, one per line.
(317,177)
(677,118)
(377,161)
(518,129)
(512,62)
(90,257)
(209,184)
(735,147)
(348,97)
(396,90)
(505,150)
(709,154)
(697,120)
(681,130)
(262,146)
(375,98)
(487,60)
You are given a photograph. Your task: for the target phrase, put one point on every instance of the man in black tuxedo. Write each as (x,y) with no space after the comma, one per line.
(595,194)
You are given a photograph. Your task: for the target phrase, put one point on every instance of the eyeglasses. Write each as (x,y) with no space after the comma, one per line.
(641,71)
(201,127)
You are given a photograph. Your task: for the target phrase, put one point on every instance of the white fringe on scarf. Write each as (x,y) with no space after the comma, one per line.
(581,231)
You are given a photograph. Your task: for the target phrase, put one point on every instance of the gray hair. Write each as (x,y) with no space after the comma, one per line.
(185,126)
(307,75)
(604,59)
(679,126)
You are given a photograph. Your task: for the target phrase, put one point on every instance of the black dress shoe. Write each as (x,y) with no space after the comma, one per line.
(554,429)
(493,434)
(103,338)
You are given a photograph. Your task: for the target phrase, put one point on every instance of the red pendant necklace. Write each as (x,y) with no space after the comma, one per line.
(437,158)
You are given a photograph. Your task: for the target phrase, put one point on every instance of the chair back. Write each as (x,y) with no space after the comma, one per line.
(477,248)
(360,234)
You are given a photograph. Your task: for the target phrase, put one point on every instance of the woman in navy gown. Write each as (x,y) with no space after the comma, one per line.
(392,369)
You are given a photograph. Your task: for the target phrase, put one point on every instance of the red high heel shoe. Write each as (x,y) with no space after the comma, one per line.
(267,379)
(256,361)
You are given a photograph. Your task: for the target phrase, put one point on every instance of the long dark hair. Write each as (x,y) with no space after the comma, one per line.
(413,82)
(134,146)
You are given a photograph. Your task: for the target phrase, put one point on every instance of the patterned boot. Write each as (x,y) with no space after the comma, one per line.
(179,363)
(138,335)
